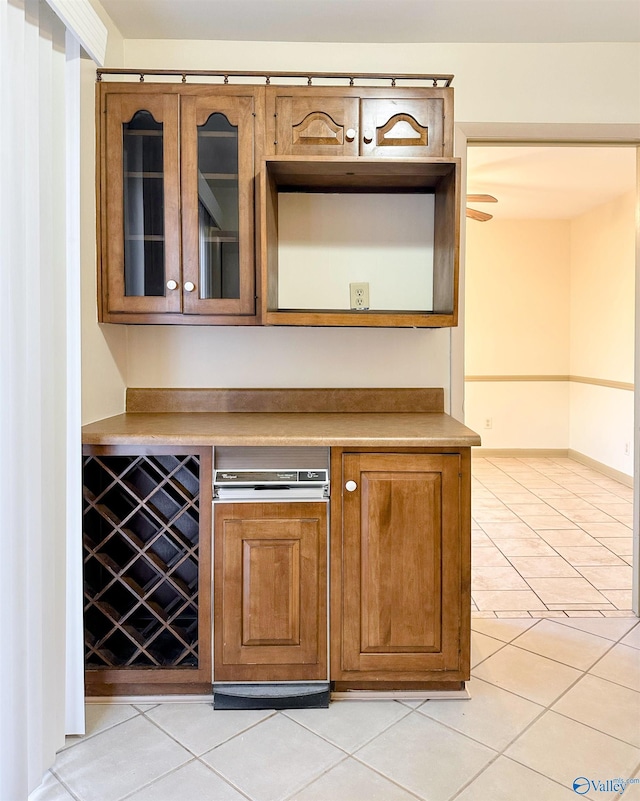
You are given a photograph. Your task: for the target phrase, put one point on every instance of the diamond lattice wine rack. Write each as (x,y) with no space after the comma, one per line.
(146,612)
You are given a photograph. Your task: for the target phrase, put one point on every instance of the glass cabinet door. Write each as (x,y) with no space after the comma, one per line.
(142,203)
(217,205)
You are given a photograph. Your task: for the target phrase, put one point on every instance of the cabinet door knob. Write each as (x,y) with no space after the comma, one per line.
(189,286)
(171,284)
(350,135)
(351,486)
(368,137)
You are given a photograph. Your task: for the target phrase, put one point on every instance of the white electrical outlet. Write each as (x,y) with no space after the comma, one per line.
(488,422)
(627,448)
(359,295)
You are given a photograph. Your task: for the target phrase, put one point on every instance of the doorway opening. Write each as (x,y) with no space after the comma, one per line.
(549,372)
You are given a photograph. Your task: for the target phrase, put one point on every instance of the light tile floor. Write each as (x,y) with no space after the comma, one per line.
(551,701)
(550,538)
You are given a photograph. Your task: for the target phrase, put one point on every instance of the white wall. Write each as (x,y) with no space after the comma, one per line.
(517,324)
(104,348)
(498,83)
(602,332)
(287,357)
(328,240)
(554,298)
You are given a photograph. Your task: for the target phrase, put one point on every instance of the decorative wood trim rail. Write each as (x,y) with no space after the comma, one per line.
(268,76)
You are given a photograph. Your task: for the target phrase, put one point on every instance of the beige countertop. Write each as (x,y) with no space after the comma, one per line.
(362,430)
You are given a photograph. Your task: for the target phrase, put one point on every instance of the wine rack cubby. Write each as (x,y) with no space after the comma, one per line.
(146,533)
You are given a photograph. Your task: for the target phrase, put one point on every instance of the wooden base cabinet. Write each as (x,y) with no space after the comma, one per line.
(270,596)
(400,570)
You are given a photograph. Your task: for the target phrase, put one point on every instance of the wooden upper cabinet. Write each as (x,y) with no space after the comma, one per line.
(396,122)
(176,193)
(192,230)
(400,570)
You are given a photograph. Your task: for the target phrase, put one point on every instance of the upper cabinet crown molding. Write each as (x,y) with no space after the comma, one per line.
(190,179)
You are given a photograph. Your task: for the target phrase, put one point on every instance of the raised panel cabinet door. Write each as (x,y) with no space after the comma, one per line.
(316,126)
(404,127)
(401,566)
(217,139)
(270,595)
(140,169)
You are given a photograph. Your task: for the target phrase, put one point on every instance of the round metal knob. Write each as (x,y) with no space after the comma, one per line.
(368,137)
(351,486)
(350,135)
(171,284)
(189,286)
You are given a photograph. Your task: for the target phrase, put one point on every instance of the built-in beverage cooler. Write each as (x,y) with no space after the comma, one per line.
(270,589)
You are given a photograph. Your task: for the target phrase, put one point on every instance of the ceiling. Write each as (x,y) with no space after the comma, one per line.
(548,182)
(379,20)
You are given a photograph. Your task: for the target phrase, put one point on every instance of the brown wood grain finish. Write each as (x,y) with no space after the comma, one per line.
(446,246)
(313,173)
(400,568)
(239,111)
(270,600)
(316,125)
(400,615)
(120,109)
(321,399)
(187,680)
(362,109)
(411,125)
(271,591)
(170,103)
(406,127)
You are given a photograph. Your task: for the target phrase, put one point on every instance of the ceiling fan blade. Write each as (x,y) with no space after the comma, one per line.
(481,216)
(482,199)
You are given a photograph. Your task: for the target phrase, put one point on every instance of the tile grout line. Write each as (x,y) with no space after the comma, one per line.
(64,784)
(195,757)
(408,709)
(524,488)
(547,708)
(291,795)
(274,712)
(83,738)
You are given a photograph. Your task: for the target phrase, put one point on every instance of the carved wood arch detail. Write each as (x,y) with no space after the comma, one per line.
(402,130)
(157,118)
(318,128)
(203,115)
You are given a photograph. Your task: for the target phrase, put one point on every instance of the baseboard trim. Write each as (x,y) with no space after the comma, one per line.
(519,453)
(611,472)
